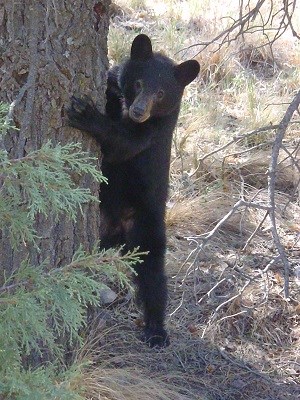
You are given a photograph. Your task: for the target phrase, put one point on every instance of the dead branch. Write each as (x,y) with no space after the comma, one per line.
(242,365)
(236,139)
(271,186)
(239,204)
(205,238)
(255,231)
(242,204)
(276,22)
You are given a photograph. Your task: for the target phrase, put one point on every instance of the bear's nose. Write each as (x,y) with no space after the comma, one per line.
(138,112)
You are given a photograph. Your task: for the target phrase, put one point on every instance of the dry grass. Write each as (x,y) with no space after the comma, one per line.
(233,334)
(128,383)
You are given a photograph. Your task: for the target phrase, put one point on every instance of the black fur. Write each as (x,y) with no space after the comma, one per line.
(135,134)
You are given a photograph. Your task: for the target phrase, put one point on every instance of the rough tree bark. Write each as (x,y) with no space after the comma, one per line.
(49,50)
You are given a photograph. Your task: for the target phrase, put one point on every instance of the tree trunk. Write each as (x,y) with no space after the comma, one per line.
(48,51)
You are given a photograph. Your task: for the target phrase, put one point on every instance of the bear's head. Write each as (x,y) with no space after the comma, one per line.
(152,83)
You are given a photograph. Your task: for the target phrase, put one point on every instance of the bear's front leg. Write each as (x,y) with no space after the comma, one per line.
(84,115)
(117,138)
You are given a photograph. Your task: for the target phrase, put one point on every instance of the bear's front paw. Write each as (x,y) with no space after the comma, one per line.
(81,113)
(156,337)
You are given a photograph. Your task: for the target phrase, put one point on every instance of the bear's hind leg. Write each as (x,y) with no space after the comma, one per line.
(111,232)
(152,291)
(148,233)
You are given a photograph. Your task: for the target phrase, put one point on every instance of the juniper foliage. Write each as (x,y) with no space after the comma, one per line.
(33,295)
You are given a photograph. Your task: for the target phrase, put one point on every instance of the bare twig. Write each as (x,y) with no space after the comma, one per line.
(205,238)
(208,294)
(236,139)
(277,21)
(244,366)
(255,231)
(271,186)
(270,208)
(290,155)
(240,203)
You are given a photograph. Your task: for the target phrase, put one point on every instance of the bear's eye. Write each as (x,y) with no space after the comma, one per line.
(160,94)
(138,86)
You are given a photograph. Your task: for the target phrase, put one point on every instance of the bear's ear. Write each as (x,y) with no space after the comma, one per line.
(187,71)
(141,48)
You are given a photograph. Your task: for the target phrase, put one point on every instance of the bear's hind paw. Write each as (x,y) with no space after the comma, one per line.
(156,337)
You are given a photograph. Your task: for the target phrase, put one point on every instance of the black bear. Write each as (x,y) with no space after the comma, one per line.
(135,134)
